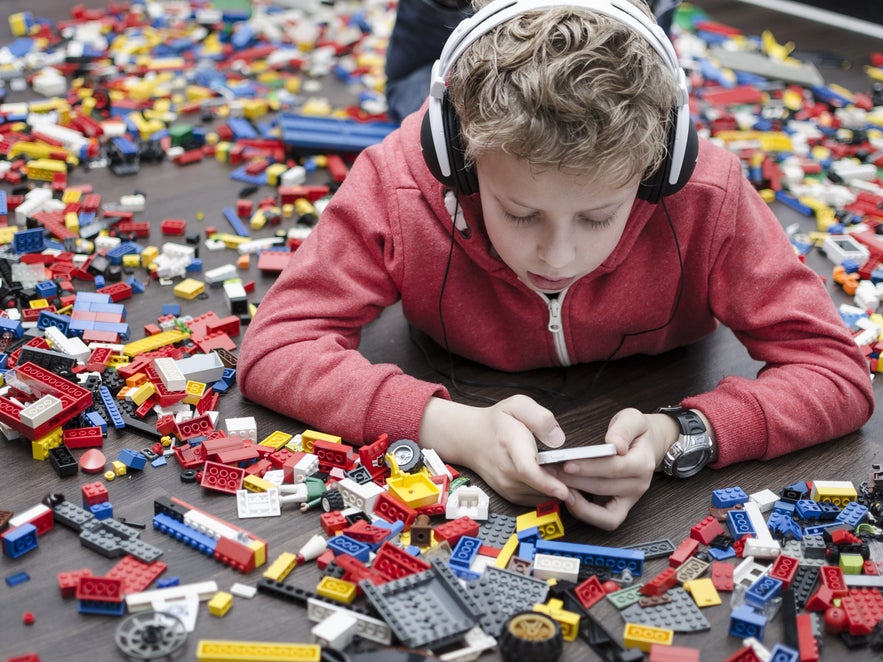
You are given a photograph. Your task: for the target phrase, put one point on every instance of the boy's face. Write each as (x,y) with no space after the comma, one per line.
(550,227)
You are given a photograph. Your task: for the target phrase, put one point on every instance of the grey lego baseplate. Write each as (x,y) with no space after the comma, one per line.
(111,538)
(72,516)
(502,594)
(496,529)
(655,549)
(426,609)
(680,615)
(804,73)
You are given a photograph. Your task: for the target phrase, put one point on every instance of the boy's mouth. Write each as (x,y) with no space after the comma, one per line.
(549,284)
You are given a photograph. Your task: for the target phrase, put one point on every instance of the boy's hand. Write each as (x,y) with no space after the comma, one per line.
(641,442)
(498,443)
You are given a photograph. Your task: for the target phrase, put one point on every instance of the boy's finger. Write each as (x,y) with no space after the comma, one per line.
(536,418)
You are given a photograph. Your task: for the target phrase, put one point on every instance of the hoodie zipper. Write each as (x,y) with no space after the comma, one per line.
(556,325)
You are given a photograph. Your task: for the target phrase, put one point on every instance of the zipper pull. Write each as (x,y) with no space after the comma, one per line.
(554,315)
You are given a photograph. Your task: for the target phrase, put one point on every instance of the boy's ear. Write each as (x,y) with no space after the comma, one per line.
(462,179)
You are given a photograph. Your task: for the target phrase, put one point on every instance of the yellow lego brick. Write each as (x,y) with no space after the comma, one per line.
(276,439)
(644,636)
(40,447)
(116,360)
(851,564)
(838,492)
(6,233)
(568,620)
(72,221)
(18,24)
(309,436)
(258,220)
(220,603)
(222,151)
(281,567)
(335,589)
(506,553)
(549,525)
(221,650)
(195,391)
(230,240)
(71,195)
(256,484)
(36,304)
(119,468)
(132,261)
(44,170)
(254,108)
(153,342)
(260,552)
(189,288)
(148,255)
(140,395)
(703,592)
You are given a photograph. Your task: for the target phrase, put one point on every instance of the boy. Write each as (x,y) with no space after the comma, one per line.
(546,185)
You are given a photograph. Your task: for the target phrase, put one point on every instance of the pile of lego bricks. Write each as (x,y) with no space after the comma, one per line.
(71,262)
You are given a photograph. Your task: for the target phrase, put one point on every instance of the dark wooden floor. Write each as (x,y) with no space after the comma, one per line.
(589,397)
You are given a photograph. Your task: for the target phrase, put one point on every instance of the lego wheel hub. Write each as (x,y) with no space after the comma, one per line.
(152,635)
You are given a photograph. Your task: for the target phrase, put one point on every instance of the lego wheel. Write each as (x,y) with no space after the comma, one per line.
(407,454)
(150,635)
(530,635)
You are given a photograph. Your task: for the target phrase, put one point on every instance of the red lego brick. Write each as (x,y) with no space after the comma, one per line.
(332,522)
(136,575)
(190,457)
(832,577)
(235,554)
(661,653)
(364,532)
(355,571)
(589,591)
(706,530)
(684,551)
(98,359)
(90,437)
(333,455)
(660,583)
(722,576)
(100,589)
(117,291)
(452,530)
(784,568)
(393,510)
(195,427)
(222,478)
(745,654)
(372,456)
(94,493)
(808,645)
(175,227)
(67,581)
(394,563)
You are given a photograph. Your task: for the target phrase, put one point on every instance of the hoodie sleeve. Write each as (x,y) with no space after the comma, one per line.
(300,354)
(814,385)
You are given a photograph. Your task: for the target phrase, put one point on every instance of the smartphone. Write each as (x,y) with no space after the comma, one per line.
(579,453)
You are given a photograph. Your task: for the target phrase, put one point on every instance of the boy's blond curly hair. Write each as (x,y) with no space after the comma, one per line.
(566,88)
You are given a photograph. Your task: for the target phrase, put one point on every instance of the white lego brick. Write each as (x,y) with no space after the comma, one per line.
(435,464)
(144,600)
(765,499)
(336,631)
(306,466)
(234,292)
(37,413)
(841,247)
(475,643)
(293,176)
(275,476)
(552,566)
(31,513)
(258,504)
(241,590)
(180,251)
(245,427)
(372,629)
(256,245)
(469,500)
(170,374)
(209,526)
(758,523)
(204,368)
(762,549)
(361,496)
(72,346)
(220,274)
(34,201)
(748,572)
(105,243)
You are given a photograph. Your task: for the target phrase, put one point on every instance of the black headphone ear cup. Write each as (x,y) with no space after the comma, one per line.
(462,179)
(656,185)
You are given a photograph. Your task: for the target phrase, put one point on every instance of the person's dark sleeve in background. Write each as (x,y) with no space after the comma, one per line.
(417,39)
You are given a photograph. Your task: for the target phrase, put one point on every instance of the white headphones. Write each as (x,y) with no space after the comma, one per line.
(440,136)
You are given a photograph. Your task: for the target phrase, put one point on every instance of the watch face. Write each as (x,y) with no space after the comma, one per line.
(695,455)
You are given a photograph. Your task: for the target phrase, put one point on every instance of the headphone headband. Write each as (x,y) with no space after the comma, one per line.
(500,11)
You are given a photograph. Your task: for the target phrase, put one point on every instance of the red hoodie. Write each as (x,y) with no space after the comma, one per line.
(386,234)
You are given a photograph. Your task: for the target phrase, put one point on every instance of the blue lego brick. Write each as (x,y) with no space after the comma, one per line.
(90,297)
(345,545)
(111,406)
(99,281)
(530,534)
(221,387)
(136,285)
(782,653)
(328,134)
(830,511)
(159,462)
(20,540)
(171,309)
(103,510)
(242,129)
(808,509)
(394,528)
(115,254)
(852,514)
(464,573)
(195,266)
(168,582)
(96,419)
(101,607)
(46,289)
(122,329)
(739,524)
(614,559)
(28,241)
(721,554)
(240,175)
(125,146)
(17,578)
(527,550)
(794,203)
(132,459)
(188,535)
(4,209)
(20,46)
(11,326)
(235,222)
(464,552)
(787,527)
(85,218)
(784,507)
(728,497)
(746,622)
(819,529)
(762,591)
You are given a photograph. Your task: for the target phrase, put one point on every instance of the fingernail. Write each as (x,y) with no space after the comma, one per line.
(556,437)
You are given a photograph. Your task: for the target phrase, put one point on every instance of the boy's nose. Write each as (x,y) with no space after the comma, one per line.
(557,250)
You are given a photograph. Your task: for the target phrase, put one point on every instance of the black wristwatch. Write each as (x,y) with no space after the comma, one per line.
(694,446)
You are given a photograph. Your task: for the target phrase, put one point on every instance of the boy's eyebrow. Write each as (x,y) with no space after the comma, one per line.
(609,205)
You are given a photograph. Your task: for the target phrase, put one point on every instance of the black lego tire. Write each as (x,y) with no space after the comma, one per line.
(531,635)
(407,454)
